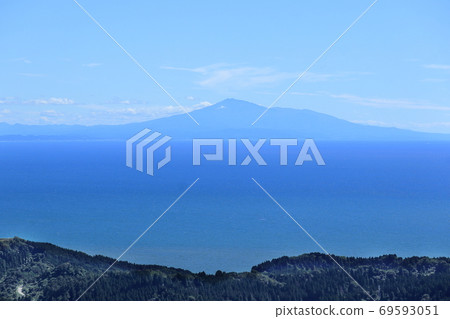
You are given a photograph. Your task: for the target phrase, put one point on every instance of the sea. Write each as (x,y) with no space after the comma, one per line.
(370,199)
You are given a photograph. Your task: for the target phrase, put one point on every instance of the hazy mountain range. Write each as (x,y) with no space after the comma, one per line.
(226,119)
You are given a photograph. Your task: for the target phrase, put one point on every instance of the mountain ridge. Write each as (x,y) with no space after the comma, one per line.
(43,271)
(229,118)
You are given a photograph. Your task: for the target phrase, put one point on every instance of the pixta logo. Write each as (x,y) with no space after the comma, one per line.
(144,144)
(142,141)
(308,148)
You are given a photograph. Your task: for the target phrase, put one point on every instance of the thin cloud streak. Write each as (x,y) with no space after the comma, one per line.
(429,127)
(232,77)
(91,65)
(48,101)
(24,60)
(32,75)
(437,66)
(388,103)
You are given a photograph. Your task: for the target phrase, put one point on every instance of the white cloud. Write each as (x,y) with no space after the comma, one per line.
(320,77)
(432,125)
(437,66)
(24,60)
(9,100)
(373,123)
(231,77)
(227,76)
(202,104)
(52,117)
(190,98)
(431,80)
(32,75)
(128,111)
(243,77)
(47,111)
(112,114)
(52,100)
(91,65)
(304,93)
(388,103)
(49,101)
(203,69)
(51,113)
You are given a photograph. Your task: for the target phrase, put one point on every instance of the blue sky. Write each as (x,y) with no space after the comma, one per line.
(391,69)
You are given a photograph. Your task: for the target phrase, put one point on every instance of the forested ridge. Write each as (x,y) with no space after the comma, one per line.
(42,271)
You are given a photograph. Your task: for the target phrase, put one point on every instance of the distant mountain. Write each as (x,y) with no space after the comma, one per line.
(42,271)
(227,119)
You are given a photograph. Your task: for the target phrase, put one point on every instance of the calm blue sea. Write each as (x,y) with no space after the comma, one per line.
(370,199)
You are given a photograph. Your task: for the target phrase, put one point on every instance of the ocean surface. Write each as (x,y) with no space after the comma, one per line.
(370,199)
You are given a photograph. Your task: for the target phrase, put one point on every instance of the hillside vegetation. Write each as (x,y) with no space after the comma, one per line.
(42,271)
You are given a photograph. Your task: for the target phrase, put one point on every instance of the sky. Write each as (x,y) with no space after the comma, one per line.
(391,69)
